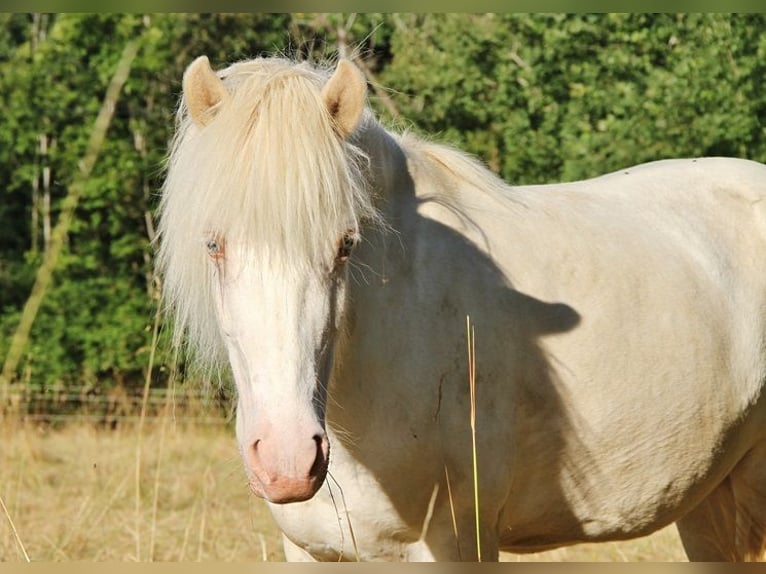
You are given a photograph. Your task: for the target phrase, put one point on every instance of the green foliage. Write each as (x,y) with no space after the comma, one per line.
(551,97)
(539,97)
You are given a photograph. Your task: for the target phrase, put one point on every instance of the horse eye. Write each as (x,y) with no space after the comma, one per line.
(346,245)
(215,248)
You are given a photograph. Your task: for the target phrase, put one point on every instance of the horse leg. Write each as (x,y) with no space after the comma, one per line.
(749,481)
(730,524)
(707,532)
(439,542)
(294,553)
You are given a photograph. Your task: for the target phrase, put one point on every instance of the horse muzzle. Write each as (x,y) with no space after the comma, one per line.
(283,473)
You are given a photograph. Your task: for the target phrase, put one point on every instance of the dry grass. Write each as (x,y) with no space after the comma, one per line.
(70,494)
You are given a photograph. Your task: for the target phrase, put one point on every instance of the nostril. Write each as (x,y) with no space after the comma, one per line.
(319,468)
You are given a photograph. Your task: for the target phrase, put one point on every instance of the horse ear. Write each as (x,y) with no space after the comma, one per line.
(344,95)
(203,91)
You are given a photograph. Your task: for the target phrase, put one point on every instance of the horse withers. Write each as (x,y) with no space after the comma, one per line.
(619,329)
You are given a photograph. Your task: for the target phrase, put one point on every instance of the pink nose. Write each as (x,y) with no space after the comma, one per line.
(285,472)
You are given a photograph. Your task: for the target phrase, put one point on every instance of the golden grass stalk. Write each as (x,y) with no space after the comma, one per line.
(187,531)
(13,529)
(452,513)
(141,419)
(471,336)
(353,535)
(264,548)
(202,524)
(165,417)
(429,512)
(348,519)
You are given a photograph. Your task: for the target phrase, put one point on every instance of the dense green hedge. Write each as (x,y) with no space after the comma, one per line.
(539,98)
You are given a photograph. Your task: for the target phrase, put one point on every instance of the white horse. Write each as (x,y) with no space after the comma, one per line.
(620,328)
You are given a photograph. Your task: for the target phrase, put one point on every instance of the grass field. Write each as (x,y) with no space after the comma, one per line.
(82,493)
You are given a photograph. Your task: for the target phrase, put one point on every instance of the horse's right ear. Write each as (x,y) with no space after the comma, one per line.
(203,91)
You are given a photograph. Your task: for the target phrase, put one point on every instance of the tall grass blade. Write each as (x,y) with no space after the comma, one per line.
(452,513)
(140,430)
(471,336)
(429,513)
(348,519)
(169,396)
(13,529)
(264,549)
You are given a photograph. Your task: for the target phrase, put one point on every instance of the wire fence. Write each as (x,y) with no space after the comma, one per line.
(119,405)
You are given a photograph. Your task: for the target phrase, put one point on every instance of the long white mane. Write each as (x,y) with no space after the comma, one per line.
(268,172)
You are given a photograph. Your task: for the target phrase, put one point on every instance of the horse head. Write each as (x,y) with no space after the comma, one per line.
(278,214)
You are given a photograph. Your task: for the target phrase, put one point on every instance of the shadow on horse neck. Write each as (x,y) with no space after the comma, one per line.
(400,392)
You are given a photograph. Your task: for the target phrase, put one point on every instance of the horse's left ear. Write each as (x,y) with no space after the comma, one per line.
(344,95)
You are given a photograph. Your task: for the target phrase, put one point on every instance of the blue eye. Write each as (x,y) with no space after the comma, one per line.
(215,248)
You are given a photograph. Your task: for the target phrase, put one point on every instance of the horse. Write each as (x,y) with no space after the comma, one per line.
(331,263)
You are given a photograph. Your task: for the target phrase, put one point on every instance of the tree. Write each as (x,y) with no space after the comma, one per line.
(539,97)
(550,97)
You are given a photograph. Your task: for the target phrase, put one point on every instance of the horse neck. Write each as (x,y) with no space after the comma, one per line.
(386,174)
(388,163)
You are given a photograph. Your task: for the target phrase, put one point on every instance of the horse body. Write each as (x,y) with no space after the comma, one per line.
(620,349)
